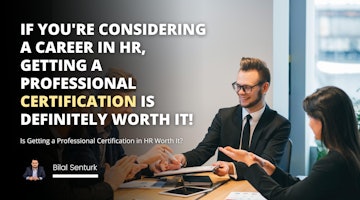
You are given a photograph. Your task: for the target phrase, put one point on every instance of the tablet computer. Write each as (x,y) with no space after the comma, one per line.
(185,191)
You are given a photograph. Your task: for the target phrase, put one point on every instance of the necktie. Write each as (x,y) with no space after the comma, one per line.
(246,134)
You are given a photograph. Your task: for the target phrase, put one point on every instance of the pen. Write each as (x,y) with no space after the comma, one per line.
(171,156)
(216,168)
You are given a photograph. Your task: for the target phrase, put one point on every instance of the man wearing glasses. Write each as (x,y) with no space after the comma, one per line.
(266,133)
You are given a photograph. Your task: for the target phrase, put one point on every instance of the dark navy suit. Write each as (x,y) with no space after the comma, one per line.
(268,140)
(40,172)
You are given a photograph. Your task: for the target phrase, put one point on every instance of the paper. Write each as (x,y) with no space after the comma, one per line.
(186,170)
(143,184)
(151,183)
(245,196)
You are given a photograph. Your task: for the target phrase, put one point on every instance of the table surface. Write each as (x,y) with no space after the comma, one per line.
(219,193)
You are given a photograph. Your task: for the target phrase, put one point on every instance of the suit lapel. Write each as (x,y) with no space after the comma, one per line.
(238,124)
(265,119)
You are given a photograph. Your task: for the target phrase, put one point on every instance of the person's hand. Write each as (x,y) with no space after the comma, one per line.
(239,155)
(117,174)
(181,158)
(248,158)
(160,166)
(265,164)
(223,168)
(236,154)
(157,152)
(33,178)
(134,170)
(170,164)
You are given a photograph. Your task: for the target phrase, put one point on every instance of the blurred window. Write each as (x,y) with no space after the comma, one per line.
(335,57)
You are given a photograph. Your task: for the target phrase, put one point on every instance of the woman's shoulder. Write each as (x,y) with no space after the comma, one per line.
(334,160)
(336,155)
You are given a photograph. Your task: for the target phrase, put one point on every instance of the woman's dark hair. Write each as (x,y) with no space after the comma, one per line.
(333,107)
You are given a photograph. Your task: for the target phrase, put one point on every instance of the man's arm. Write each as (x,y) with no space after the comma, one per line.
(41,173)
(207,147)
(279,135)
(27,173)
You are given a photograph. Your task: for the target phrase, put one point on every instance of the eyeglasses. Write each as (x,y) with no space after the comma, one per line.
(245,88)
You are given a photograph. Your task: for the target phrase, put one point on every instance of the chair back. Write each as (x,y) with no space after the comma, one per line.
(286,158)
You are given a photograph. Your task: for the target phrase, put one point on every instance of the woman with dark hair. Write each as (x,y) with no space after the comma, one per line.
(335,176)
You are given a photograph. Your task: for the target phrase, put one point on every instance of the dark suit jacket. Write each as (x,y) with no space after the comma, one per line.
(268,141)
(40,173)
(328,179)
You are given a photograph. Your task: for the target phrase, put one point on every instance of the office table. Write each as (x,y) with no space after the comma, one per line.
(219,193)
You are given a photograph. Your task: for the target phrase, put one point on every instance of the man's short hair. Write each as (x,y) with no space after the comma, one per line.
(248,63)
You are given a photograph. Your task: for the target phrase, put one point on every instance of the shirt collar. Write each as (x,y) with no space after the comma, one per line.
(255,115)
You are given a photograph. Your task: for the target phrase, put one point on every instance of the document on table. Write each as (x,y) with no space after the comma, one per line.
(186,170)
(156,184)
(143,184)
(245,196)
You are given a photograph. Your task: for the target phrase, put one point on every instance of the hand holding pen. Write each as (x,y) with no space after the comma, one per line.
(169,163)
(172,158)
(222,168)
(156,153)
